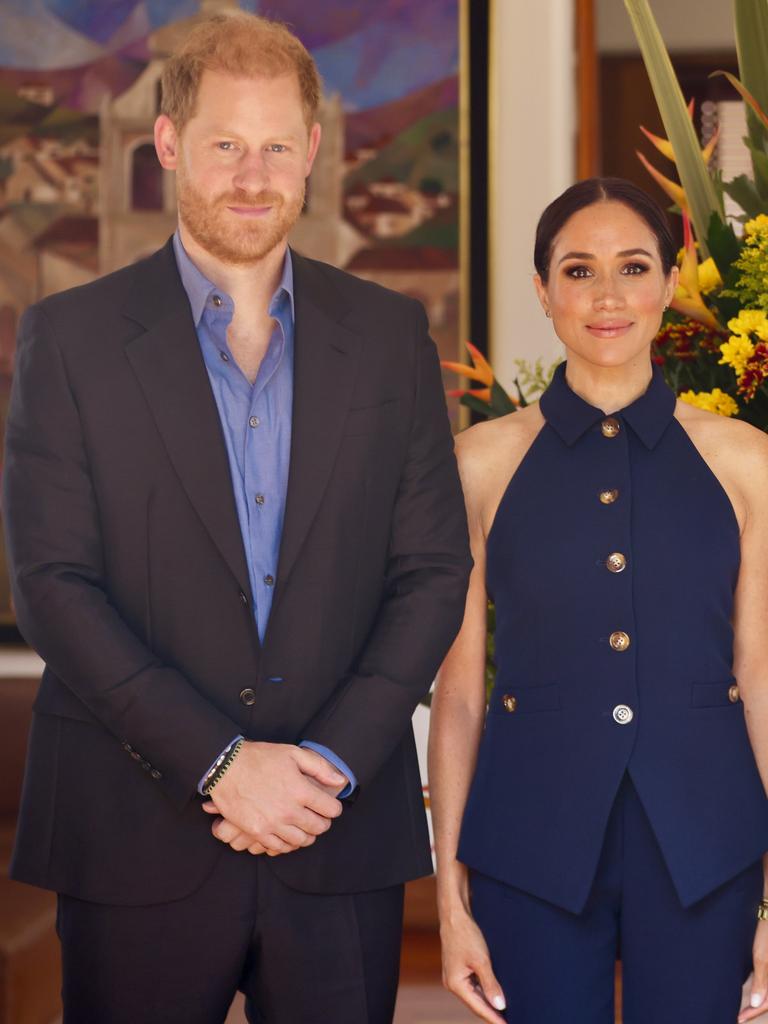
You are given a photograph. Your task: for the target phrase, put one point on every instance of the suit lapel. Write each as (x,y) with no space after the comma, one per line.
(169,365)
(325,365)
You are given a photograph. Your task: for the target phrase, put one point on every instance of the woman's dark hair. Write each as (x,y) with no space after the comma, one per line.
(597,190)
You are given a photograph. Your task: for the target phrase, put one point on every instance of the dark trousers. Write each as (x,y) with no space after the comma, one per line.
(678,965)
(299,958)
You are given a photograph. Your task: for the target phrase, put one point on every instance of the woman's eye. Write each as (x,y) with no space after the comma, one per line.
(635,268)
(579,271)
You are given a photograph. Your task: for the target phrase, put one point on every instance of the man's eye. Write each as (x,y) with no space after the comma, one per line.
(277,147)
(635,268)
(225,146)
(579,271)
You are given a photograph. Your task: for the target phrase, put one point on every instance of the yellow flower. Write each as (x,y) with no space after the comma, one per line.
(757,225)
(750,321)
(709,276)
(736,352)
(713,401)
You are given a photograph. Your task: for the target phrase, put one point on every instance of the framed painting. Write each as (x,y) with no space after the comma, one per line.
(81,192)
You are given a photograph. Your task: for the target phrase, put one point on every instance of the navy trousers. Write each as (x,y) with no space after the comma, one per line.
(678,964)
(300,958)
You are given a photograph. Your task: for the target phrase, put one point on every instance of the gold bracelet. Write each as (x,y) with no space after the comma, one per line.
(223,768)
(762,910)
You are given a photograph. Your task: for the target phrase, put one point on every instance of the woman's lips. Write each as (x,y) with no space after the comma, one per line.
(610,330)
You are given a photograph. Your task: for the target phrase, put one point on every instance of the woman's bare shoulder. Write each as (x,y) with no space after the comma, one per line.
(499,439)
(733,444)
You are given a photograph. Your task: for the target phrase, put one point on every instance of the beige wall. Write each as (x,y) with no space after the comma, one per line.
(532,143)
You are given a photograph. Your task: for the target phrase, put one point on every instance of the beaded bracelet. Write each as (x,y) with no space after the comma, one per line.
(221,766)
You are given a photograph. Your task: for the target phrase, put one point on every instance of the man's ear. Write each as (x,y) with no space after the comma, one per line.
(166,142)
(314,144)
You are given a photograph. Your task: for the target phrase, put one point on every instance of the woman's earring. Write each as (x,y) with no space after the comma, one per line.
(548,315)
(665,309)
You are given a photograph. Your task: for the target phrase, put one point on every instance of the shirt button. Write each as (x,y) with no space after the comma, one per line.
(608,497)
(509,702)
(623,714)
(254,421)
(248,697)
(269,580)
(610,426)
(217,300)
(619,640)
(224,357)
(259,499)
(616,562)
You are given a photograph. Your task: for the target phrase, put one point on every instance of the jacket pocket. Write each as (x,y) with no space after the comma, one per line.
(513,700)
(715,695)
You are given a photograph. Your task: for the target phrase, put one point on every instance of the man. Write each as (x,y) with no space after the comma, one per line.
(238,542)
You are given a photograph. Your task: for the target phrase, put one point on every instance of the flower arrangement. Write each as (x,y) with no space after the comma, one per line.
(713,343)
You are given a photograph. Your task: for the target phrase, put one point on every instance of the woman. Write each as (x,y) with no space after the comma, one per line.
(610,803)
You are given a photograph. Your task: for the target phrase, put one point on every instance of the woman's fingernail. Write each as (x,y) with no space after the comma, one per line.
(498,1003)
(756,999)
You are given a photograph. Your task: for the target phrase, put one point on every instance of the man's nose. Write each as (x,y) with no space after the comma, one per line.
(251,173)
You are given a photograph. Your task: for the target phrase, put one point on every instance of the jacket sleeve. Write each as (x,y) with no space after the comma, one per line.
(426,583)
(51,520)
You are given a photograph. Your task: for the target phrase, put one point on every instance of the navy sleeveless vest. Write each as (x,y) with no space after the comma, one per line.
(612,562)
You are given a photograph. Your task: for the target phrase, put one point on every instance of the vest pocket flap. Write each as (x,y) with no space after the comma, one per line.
(714,695)
(524,700)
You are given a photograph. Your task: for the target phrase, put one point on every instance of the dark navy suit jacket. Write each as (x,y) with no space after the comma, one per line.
(130,580)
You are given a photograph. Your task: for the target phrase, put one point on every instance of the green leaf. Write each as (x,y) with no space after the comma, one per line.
(478,406)
(760,165)
(501,403)
(751,25)
(742,190)
(694,176)
(723,244)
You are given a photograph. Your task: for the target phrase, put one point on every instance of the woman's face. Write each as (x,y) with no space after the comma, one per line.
(606,289)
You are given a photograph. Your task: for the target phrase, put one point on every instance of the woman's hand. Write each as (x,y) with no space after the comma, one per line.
(467,970)
(757,985)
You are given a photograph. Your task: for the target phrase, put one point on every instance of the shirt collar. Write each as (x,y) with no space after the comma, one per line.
(200,290)
(571,416)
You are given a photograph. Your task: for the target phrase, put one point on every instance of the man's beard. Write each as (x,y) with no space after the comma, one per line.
(221,236)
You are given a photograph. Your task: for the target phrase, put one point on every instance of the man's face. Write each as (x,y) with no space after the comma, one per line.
(241,164)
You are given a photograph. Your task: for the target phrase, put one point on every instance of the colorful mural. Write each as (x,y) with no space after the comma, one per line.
(81,193)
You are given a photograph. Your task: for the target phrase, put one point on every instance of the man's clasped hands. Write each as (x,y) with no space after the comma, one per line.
(275,798)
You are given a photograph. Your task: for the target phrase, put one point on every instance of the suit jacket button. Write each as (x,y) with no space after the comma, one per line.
(244,598)
(509,702)
(608,497)
(733,694)
(156,774)
(146,765)
(248,696)
(135,755)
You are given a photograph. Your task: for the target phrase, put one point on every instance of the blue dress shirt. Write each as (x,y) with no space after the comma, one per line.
(256,423)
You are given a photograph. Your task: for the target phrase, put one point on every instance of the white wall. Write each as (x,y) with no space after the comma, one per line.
(686,25)
(532,149)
